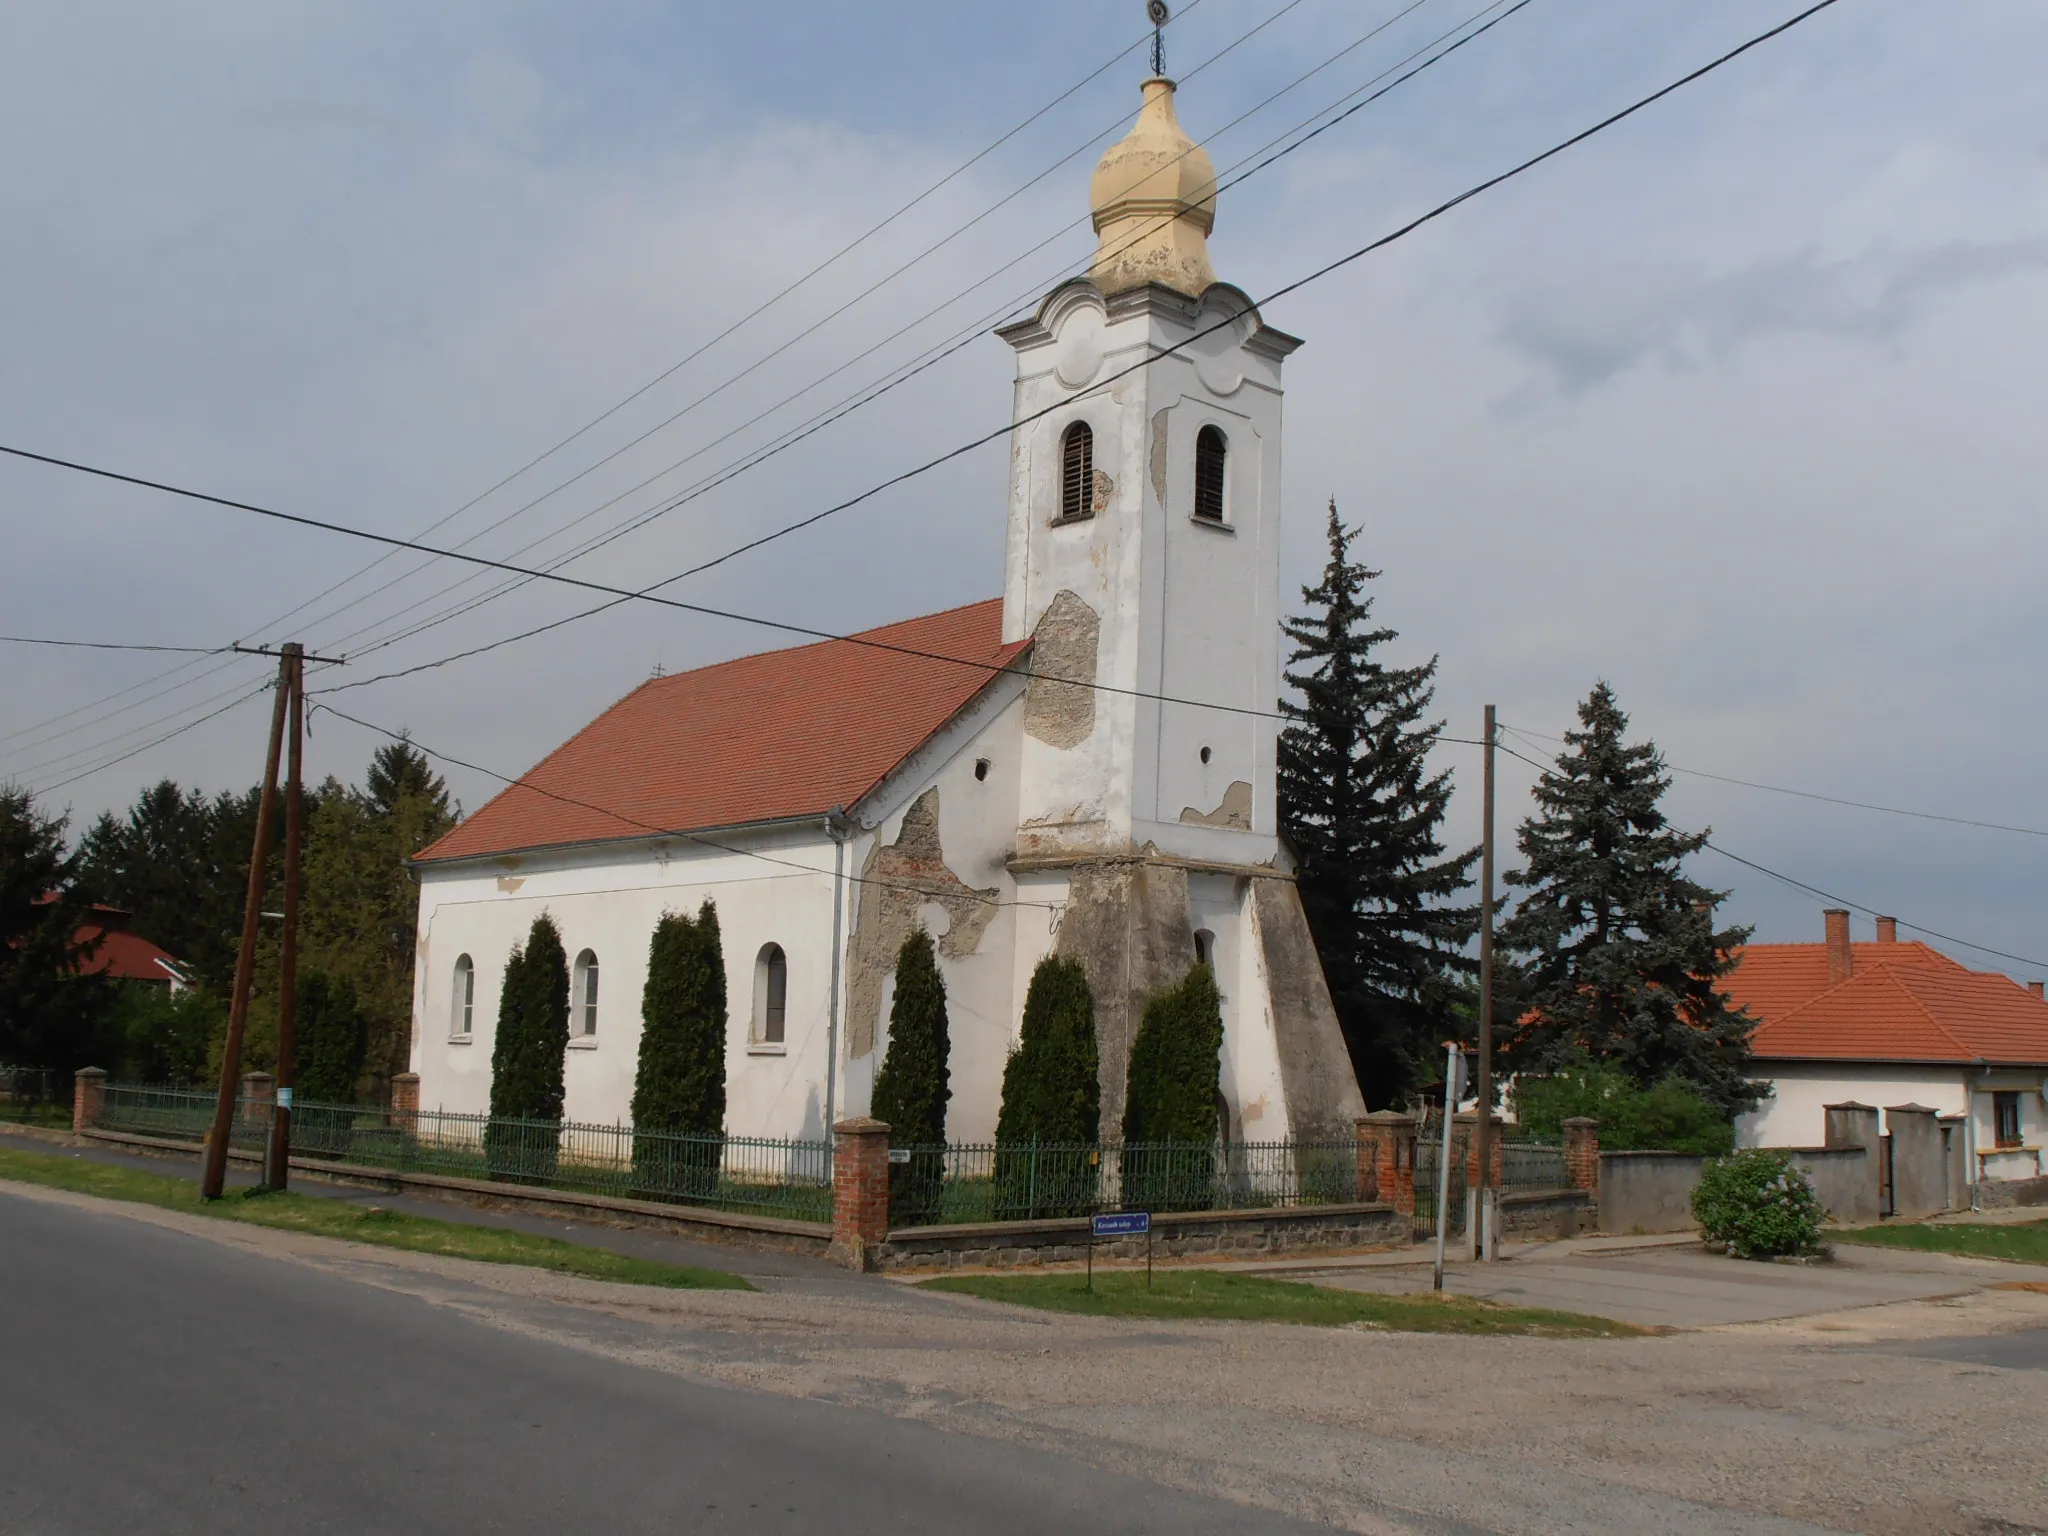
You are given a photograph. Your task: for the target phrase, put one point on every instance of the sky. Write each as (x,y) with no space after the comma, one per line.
(1736,405)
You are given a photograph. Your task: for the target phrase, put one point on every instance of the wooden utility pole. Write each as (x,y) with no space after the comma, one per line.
(1483,1131)
(277,1162)
(214,1172)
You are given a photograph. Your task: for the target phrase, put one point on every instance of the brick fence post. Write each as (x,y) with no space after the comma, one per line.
(259,1093)
(1388,1137)
(860,1190)
(405,1099)
(1582,1153)
(88,1098)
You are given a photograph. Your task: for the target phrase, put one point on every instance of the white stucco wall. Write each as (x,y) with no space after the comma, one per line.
(1795,1116)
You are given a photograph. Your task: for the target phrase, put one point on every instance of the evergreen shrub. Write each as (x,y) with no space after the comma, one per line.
(1759,1204)
(526,1059)
(1669,1116)
(1052,1097)
(914,1084)
(679,1087)
(330,1037)
(1170,1099)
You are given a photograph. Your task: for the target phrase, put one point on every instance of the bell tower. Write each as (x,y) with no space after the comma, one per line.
(1143,548)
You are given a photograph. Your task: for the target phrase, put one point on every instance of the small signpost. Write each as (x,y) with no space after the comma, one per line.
(1120,1224)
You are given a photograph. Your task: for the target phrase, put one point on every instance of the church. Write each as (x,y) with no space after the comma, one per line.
(1083,766)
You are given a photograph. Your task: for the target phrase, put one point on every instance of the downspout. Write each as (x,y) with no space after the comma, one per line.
(839,828)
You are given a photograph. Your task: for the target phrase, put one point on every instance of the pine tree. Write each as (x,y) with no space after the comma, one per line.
(329,1035)
(1623,958)
(913,1086)
(50,1015)
(1051,1090)
(914,1083)
(526,1056)
(1364,816)
(679,1088)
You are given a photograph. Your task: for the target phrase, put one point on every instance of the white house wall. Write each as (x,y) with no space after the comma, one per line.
(1795,1116)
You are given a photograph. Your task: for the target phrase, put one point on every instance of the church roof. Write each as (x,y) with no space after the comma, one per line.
(770,737)
(1899,1002)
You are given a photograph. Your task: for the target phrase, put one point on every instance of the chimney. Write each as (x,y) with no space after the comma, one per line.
(1887,930)
(1841,963)
(2035,988)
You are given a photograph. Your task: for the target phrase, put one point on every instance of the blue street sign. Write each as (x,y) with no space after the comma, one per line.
(1123,1224)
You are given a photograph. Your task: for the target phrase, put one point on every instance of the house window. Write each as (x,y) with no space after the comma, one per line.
(2005,1118)
(1211,454)
(1077,473)
(462,1006)
(583,997)
(771,994)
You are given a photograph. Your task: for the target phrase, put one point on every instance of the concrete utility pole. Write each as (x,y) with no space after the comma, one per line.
(214,1172)
(277,1159)
(1483,1238)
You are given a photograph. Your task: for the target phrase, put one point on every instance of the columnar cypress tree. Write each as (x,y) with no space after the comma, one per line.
(1175,1074)
(914,1083)
(1364,816)
(679,1089)
(330,1038)
(526,1056)
(1051,1091)
(1624,961)
(1176,1064)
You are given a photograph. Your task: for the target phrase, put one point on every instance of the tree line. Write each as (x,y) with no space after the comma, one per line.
(177,862)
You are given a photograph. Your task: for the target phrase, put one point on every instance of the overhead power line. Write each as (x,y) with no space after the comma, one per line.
(1807,794)
(1235,175)
(113,645)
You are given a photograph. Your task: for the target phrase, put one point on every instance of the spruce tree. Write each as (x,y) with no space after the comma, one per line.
(1623,960)
(679,1089)
(330,1035)
(1052,1096)
(914,1083)
(526,1056)
(1365,816)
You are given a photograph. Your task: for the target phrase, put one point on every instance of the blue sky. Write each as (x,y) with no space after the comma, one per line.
(1737,406)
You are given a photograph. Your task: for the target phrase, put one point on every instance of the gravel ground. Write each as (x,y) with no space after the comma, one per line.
(1817,1423)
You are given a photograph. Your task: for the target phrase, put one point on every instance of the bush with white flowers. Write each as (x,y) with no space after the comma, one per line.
(1759,1205)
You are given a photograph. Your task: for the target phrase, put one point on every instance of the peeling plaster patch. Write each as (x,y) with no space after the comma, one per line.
(509,884)
(1235,811)
(1128,924)
(896,881)
(1159,457)
(1063,648)
(1253,1112)
(1105,487)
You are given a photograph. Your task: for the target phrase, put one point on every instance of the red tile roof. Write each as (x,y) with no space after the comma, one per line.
(789,733)
(1901,1002)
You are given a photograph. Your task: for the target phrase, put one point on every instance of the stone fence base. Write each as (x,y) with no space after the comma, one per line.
(2004,1194)
(1547,1214)
(1298,1232)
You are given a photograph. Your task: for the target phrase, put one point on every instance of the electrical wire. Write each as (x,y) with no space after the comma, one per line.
(112,645)
(157,742)
(510,781)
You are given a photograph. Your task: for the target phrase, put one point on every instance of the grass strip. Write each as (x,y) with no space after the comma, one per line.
(2022,1243)
(1203,1293)
(355,1223)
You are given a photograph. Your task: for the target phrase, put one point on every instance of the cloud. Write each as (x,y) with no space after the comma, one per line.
(1591,331)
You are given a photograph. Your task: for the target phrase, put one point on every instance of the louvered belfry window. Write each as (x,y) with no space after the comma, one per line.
(1211,453)
(1077,473)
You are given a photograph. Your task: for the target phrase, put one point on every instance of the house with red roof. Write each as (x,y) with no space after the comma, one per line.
(119,952)
(1082,766)
(1892,1025)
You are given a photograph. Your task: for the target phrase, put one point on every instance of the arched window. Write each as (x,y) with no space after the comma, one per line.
(1205,947)
(1077,473)
(583,997)
(771,995)
(1211,454)
(462,1002)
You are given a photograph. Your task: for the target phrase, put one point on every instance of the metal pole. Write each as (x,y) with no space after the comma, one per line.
(833,826)
(214,1171)
(1483,1131)
(1443,1162)
(277,1168)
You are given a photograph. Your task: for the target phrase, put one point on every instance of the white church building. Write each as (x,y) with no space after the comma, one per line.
(1083,766)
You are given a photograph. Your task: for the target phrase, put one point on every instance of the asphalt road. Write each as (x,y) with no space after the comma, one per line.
(154,1380)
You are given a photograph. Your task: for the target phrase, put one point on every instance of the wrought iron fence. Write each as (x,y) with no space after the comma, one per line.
(30,1094)
(768,1176)
(931,1186)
